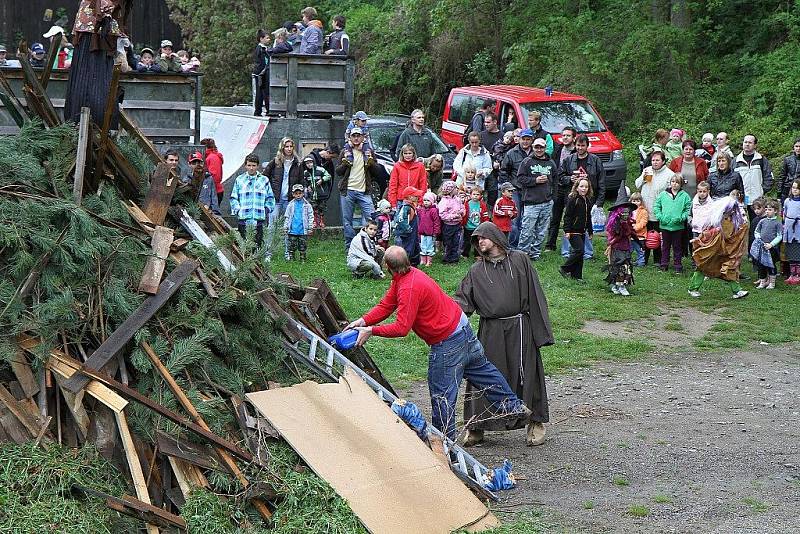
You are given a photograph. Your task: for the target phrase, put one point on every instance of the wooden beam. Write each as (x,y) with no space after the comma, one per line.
(132,324)
(154,268)
(162,188)
(127,123)
(52,54)
(136,508)
(31,424)
(199,234)
(187,405)
(74,403)
(139,216)
(135,467)
(81,157)
(206,283)
(196,454)
(111,103)
(49,115)
(64,366)
(188,476)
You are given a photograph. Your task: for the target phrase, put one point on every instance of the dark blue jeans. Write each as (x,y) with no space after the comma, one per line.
(461,356)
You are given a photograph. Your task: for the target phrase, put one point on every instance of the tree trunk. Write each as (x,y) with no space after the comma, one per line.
(680,16)
(659,10)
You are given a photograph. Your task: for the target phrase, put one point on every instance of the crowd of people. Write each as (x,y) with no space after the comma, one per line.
(305,36)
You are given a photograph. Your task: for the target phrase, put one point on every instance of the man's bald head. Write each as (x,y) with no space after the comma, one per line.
(397,260)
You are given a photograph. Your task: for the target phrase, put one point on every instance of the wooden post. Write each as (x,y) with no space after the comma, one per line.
(291,89)
(162,188)
(83,152)
(55,46)
(111,103)
(134,465)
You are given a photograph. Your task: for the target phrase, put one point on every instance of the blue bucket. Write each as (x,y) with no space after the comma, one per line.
(344,340)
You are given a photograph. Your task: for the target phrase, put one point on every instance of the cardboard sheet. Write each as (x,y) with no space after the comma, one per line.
(393,482)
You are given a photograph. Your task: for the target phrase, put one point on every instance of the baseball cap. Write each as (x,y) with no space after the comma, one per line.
(297,187)
(148,50)
(194,156)
(166,42)
(3,48)
(507,186)
(361,115)
(356,130)
(527,132)
(37,48)
(539,142)
(53,31)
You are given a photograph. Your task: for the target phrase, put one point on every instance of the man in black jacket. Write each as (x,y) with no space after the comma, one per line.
(790,171)
(536,175)
(489,136)
(584,164)
(561,152)
(508,173)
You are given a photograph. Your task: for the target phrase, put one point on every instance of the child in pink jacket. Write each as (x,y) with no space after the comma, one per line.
(429,227)
(451,212)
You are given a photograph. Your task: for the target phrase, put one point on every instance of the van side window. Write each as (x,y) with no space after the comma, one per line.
(506,118)
(462,108)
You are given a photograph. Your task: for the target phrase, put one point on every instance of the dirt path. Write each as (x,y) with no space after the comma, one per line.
(699,442)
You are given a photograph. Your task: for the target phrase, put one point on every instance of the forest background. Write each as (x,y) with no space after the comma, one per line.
(708,65)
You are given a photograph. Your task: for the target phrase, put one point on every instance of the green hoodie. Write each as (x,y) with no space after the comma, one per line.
(672,212)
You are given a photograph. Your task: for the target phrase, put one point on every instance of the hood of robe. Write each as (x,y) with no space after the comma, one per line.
(490,231)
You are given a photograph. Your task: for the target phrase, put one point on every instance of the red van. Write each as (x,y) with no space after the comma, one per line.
(558,111)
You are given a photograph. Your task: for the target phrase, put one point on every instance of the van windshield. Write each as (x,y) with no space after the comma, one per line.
(557,115)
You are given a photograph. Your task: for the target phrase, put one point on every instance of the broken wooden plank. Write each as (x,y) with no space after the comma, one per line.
(74,402)
(139,216)
(81,155)
(187,405)
(48,112)
(31,424)
(12,427)
(188,476)
(132,324)
(64,366)
(163,184)
(132,394)
(136,508)
(135,468)
(154,268)
(9,105)
(22,370)
(127,123)
(206,283)
(193,453)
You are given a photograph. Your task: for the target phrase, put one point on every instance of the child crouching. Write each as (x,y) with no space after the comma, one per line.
(298,223)
(429,227)
(619,232)
(364,257)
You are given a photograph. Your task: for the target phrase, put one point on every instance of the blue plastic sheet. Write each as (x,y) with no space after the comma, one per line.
(501,478)
(410,414)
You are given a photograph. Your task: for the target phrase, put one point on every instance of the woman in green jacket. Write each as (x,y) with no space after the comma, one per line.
(672,211)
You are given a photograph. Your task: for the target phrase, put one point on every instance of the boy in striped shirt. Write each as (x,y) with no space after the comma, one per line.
(252,199)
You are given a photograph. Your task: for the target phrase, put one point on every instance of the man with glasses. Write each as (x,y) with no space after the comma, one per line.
(355,182)
(418,135)
(537,174)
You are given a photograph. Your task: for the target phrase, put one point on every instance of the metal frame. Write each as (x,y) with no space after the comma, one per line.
(465,466)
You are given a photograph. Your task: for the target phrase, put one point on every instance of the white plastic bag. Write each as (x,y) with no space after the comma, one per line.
(598,219)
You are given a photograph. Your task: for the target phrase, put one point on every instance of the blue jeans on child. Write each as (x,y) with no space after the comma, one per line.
(461,356)
(638,248)
(588,248)
(427,245)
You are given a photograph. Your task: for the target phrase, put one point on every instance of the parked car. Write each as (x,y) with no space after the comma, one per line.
(384,131)
(558,111)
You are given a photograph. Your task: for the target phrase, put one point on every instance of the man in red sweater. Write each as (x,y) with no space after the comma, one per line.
(455,353)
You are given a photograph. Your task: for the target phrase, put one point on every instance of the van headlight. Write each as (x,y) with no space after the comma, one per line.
(617,154)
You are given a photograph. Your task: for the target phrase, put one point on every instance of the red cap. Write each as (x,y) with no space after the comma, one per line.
(412,191)
(194,156)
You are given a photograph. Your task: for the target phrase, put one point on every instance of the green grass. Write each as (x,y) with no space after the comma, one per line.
(755,505)
(620,481)
(638,510)
(571,305)
(662,499)
(588,505)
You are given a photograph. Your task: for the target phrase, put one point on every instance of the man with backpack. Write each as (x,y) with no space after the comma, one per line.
(476,124)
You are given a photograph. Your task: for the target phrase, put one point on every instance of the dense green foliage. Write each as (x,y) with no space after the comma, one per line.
(702,65)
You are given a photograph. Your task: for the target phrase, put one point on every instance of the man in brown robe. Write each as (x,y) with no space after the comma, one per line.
(503,288)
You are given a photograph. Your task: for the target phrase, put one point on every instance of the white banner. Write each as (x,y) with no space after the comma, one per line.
(236,136)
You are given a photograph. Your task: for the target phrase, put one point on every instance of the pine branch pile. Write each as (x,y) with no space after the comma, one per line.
(68,278)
